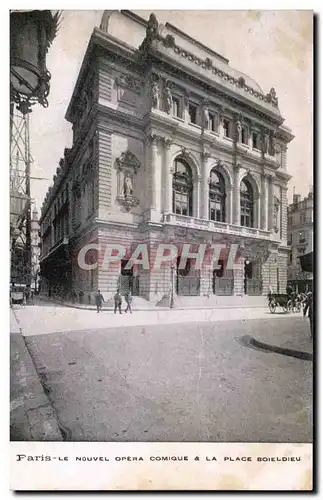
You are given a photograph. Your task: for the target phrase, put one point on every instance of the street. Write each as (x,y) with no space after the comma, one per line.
(181,381)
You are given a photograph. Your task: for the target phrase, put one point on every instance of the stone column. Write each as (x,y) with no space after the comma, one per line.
(196,196)
(168,176)
(257,210)
(205,187)
(229,205)
(236,196)
(153,167)
(270,203)
(264,202)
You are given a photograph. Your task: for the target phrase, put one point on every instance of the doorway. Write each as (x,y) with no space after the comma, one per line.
(128,281)
(222,280)
(252,281)
(187,279)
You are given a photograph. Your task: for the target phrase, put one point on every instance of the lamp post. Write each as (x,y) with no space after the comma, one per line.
(172,286)
(31,34)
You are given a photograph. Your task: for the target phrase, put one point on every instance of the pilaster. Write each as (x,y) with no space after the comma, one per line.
(264,202)
(236,195)
(205,187)
(168,176)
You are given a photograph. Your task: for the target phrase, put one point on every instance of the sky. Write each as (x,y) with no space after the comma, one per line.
(274,48)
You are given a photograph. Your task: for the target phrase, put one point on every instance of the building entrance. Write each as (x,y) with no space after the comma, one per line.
(128,280)
(187,280)
(222,282)
(252,282)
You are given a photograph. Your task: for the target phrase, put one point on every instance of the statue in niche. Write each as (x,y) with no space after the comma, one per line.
(127,186)
(169,101)
(155,95)
(275,214)
(265,144)
(239,130)
(206,118)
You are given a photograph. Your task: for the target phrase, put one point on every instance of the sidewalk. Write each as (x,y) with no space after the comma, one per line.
(32,417)
(38,320)
(180,303)
(295,343)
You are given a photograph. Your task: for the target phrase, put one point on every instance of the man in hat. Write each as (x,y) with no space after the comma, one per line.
(99,300)
(117,301)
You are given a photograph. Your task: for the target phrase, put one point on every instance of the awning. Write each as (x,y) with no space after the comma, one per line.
(307,262)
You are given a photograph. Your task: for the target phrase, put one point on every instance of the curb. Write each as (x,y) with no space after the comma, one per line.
(281,350)
(32,417)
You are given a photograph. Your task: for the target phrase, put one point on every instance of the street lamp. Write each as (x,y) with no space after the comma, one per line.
(172,286)
(31,33)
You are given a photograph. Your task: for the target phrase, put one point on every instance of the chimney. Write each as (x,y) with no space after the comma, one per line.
(296,198)
(310,192)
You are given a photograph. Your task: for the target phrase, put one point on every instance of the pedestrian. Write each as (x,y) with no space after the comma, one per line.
(117,302)
(99,300)
(309,307)
(128,299)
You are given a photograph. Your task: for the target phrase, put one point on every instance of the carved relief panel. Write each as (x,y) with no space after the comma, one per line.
(128,89)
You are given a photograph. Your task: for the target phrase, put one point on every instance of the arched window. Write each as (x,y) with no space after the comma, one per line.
(217,197)
(182,188)
(246,204)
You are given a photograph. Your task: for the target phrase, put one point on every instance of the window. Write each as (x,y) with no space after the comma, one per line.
(176,107)
(226,128)
(244,135)
(212,122)
(302,217)
(246,204)
(290,257)
(182,188)
(290,220)
(217,197)
(255,140)
(192,111)
(290,239)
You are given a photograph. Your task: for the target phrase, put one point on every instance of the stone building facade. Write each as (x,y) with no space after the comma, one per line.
(170,145)
(300,231)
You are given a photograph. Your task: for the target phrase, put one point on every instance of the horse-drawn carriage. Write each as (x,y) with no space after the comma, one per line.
(284,300)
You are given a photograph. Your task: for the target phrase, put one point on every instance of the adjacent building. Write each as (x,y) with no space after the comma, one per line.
(300,239)
(35,250)
(170,145)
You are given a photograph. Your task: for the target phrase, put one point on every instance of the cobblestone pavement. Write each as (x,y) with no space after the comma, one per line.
(178,382)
